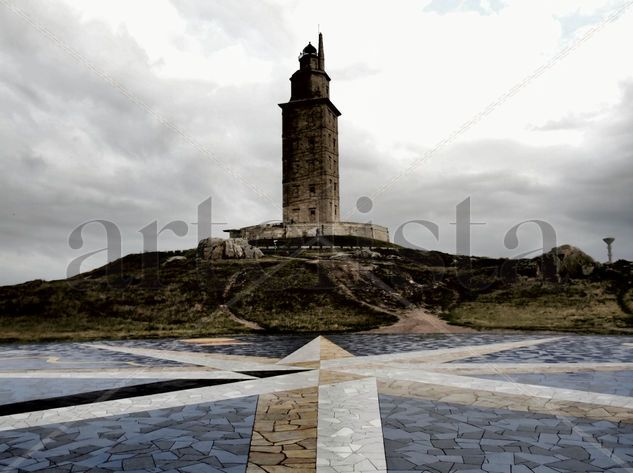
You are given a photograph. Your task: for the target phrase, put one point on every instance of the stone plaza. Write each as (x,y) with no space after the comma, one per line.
(340,403)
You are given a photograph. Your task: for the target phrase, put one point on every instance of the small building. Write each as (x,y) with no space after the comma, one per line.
(311,190)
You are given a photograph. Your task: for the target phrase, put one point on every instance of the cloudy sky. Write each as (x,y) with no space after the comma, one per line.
(137,111)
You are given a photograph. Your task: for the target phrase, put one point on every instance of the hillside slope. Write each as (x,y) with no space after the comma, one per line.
(149,296)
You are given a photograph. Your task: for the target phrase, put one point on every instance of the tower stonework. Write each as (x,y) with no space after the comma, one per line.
(310,177)
(310,144)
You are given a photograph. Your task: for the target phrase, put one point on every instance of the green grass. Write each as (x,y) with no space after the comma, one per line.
(81,328)
(123,300)
(281,295)
(581,306)
(296,296)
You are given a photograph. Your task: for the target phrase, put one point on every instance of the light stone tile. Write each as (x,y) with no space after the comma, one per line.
(349,428)
(200,359)
(508,368)
(160,401)
(311,351)
(441,355)
(331,351)
(532,390)
(315,351)
(128,373)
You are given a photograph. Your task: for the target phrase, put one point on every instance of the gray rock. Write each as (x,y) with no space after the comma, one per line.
(233,248)
(573,262)
(252,252)
(217,252)
(175,259)
(340,256)
(366,253)
(206,247)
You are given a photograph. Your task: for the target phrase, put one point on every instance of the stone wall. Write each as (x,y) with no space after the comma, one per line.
(310,163)
(280,231)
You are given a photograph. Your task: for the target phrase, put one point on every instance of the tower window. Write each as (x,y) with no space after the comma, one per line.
(312,189)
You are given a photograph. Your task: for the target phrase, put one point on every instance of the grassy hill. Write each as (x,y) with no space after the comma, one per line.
(147,296)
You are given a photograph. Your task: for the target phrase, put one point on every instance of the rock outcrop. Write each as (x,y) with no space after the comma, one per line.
(233,248)
(365,253)
(175,260)
(572,262)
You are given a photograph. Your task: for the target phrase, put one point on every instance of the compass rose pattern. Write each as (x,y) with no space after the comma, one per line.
(343,403)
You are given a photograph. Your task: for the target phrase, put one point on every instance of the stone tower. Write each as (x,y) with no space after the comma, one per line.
(311,212)
(310,144)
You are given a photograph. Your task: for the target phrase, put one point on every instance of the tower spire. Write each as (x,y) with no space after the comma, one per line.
(321,53)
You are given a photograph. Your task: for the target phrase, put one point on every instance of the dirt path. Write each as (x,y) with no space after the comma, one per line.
(246,323)
(412,321)
(420,321)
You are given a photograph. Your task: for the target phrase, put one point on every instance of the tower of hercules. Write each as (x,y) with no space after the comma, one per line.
(310,176)
(310,144)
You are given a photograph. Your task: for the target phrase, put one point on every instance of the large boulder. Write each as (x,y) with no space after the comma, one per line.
(208,246)
(233,248)
(251,252)
(366,253)
(572,262)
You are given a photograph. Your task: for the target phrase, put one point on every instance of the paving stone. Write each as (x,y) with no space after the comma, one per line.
(349,426)
(573,465)
(142,452)
(436,419)
(400,412)
(139,463)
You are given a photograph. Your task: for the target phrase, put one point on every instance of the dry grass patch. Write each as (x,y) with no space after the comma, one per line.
(580,306)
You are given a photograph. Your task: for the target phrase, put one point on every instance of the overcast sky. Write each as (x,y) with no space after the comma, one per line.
(135,111)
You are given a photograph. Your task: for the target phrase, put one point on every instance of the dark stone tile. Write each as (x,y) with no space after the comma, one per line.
(502,435)
(145,462)
(135,451)
(574,466)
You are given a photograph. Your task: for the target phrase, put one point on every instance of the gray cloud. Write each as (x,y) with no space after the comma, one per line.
(571,122)
(585,192)
(260,27)
(354,71)
(450,6)
(75,149)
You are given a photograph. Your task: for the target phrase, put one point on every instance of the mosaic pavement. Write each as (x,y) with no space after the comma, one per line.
(341,403)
